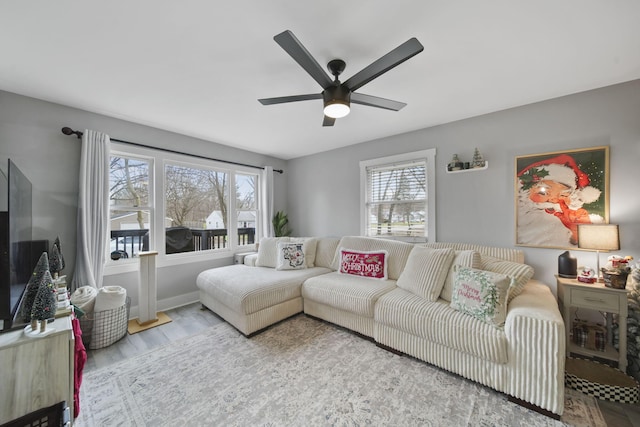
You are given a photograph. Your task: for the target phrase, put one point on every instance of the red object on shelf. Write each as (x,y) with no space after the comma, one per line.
(586,279)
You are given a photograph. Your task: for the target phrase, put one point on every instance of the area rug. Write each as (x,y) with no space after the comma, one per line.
(301,372)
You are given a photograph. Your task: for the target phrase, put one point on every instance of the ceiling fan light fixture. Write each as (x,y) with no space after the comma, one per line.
(336,110)
(336,102)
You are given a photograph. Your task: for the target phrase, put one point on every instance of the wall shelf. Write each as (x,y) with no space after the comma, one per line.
(486,165)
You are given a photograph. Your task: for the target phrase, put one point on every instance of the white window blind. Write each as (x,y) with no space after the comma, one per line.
(397,199)
(396,194)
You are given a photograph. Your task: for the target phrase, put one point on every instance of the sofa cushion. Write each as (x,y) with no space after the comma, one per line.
(291,256)
(521,273)
(247,289)
(346,292)
(425,271)
(508,254)
(326,250)
(398,252)
(369,264)
(465,258)
(437,322)
(268,250)
(481,294)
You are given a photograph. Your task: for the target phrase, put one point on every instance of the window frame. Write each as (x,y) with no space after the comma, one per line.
(158,160)
(428,157)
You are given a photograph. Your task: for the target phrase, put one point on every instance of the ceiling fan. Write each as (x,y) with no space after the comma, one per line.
(337,96)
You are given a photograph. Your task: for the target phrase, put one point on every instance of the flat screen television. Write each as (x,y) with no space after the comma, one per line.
(16,259)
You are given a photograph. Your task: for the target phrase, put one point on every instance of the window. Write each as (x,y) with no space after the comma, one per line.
(196,201)
(130,205)
(395,196)
(192,209)
(246,208)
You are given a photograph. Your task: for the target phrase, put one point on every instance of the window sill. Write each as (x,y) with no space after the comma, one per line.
(132,265)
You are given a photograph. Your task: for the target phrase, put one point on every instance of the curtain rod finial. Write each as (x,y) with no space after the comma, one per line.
(68,131)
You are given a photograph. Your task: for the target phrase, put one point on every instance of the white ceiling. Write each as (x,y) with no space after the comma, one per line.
(197,67)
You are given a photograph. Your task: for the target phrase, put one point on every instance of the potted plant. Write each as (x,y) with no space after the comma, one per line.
(280,224)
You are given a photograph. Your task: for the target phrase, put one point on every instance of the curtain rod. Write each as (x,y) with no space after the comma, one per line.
(68,131)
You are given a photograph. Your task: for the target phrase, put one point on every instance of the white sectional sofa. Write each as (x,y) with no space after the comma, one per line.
(518,349)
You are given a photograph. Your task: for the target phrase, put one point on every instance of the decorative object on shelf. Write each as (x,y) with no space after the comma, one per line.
(598,237)
(45,304)
(567,266)
(555,192)
(478,160)
(587,275)
(589,335)
(30,332)
(455,164)
(56,259)
(32,288)
(616,272)
(280,224)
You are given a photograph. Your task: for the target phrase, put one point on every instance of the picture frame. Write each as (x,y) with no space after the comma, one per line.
(556,191)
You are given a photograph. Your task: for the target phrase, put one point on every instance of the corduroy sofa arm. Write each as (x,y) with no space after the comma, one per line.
(536,336)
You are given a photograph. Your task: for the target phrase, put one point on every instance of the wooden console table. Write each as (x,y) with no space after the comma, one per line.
(36,372)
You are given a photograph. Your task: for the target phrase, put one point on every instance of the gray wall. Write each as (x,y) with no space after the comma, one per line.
(321,192)
(30,135)
(479,206)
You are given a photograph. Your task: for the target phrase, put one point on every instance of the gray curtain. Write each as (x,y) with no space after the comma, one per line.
(93,210)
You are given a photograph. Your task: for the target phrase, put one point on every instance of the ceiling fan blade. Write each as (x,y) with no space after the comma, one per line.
(328,121)
(396,57)
(301,55)
(294,98)
(374,101)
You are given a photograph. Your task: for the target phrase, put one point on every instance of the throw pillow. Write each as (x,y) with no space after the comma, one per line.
(268,251)
(371,264)
(481,294)
(425,271)
(466,258)
(291,256)
(521,273)
(310,248)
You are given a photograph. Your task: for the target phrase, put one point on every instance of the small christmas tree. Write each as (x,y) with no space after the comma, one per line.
(33,286)
(478,161)
(45,304)
(56,261)
(633,326)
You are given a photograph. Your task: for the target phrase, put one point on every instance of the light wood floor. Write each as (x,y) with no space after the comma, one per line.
(191,319)
(186,321)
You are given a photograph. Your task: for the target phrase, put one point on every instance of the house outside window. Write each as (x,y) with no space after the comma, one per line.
(395,195)
(181,206)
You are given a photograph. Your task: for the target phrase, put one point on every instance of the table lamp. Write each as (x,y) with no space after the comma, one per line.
(598,237)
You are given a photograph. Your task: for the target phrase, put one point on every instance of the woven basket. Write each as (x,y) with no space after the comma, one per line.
(109,326)
(615,280)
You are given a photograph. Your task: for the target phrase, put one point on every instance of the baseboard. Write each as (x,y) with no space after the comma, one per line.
(533,407)
(168,303)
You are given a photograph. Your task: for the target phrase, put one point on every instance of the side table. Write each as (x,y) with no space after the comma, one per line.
(595,296)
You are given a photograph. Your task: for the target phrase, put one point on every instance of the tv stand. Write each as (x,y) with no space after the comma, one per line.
(36,372)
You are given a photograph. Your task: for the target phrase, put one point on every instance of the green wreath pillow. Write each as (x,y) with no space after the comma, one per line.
(481,294)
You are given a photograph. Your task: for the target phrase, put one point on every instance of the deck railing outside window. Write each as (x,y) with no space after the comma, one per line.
(127,243)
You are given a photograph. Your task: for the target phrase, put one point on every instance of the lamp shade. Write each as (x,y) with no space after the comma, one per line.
(601,237)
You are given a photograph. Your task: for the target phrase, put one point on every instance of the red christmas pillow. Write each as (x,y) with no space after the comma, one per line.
(371,264)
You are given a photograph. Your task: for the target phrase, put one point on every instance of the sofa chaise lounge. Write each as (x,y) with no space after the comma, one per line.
(415,309)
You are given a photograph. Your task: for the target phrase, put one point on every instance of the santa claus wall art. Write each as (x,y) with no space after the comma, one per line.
(557,191)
